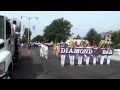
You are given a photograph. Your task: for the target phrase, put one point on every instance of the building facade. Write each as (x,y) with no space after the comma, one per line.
(107,38)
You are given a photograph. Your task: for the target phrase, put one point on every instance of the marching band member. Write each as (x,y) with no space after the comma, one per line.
(98,53)
(102,57)
(62,57)
(80,56)
(88,56)
(46,51)
(108,57)
(76,46)
(41,50)
(72,57)
(70,45)
(95,55)
(54,49)
(77,55)
(84,54)
(57,50)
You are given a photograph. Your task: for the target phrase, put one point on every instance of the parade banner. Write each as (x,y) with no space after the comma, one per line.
(107,51)
(85,51)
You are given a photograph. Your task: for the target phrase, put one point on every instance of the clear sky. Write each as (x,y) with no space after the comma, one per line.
(82,21)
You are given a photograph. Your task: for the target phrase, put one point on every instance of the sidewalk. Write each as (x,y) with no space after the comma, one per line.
(114,57)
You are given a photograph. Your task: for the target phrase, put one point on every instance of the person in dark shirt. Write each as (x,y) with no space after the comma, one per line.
(95,56)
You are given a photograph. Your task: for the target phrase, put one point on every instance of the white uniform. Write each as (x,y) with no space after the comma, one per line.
(41,52)
(62,59)
(102,59)
(84,57)
(42,47)
(72,58)
(87,58)
(77,55)
(80,58)
(108,59)
(94,58)
(46,52)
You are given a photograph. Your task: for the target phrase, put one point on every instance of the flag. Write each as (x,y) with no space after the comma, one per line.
(33,27)
(24,27)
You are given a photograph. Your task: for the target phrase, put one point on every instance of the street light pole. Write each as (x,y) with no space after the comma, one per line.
(28,31)
(29,18)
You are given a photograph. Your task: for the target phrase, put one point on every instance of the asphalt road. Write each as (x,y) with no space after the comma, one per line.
(34,67)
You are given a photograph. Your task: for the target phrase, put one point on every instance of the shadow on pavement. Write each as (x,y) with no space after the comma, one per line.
(26,69)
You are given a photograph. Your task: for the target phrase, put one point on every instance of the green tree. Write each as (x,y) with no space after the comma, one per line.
(25,35)
(97,39)
(38,38)
(57,31)
(90,35)
(85,38)
(116,37)
(78,36)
